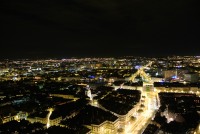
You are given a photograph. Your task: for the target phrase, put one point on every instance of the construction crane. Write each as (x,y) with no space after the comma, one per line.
(140,72)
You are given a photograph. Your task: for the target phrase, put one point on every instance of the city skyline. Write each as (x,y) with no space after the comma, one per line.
(61,29)
(101,95)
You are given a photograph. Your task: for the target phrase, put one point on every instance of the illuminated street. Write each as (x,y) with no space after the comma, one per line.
(143,118)
(100,96)
(48,117)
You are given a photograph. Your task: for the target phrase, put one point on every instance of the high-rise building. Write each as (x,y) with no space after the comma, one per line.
(191,77)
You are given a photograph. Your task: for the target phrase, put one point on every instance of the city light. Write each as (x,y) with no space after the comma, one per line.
(48,117)
(101,95)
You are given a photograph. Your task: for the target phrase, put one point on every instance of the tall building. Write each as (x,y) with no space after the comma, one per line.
(169,74)
(191,77)
(175,74)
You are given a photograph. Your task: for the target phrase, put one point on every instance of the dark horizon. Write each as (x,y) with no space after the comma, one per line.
(86,28)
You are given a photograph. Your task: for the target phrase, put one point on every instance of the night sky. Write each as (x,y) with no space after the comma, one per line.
(65,28)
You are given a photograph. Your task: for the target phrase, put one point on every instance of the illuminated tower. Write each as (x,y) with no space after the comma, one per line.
(88,92)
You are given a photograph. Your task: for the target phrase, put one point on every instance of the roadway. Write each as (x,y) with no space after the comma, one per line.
(144,118)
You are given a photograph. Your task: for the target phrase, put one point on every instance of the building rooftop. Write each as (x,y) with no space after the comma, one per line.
(91,115)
